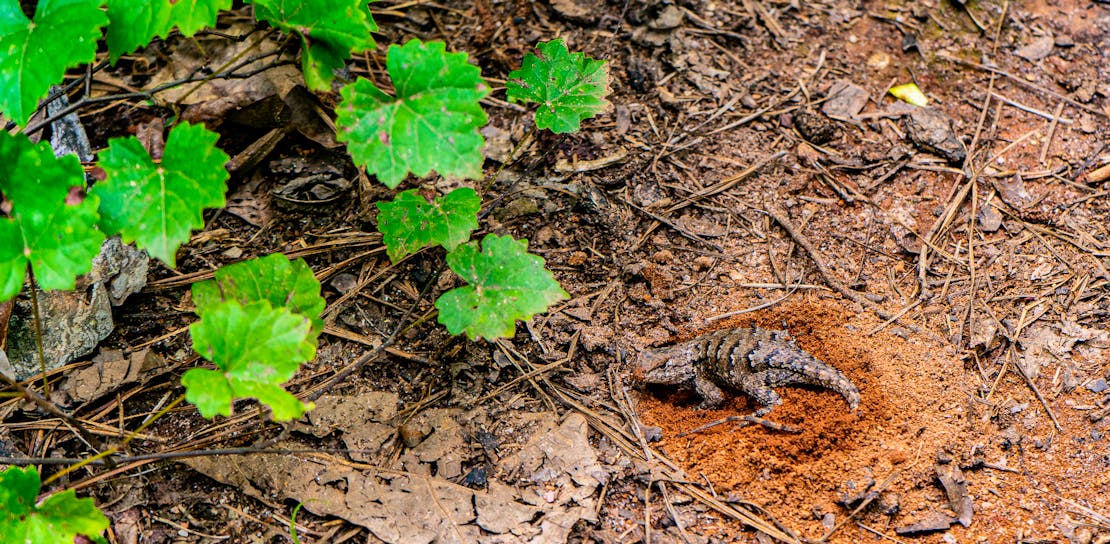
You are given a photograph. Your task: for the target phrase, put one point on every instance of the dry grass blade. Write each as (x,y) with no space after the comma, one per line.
(346,242)
(671,471)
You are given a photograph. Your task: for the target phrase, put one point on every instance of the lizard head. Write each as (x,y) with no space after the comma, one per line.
(659,367)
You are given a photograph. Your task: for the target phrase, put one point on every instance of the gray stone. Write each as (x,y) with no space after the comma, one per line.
(74,322)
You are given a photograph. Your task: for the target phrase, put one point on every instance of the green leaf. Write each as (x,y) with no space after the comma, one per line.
(568,87)
(132,24)
(48,228)
(410,222)
(58,520)
(506,283)
(257,348)
(157,206)
(35,55)
(273,278)
(432,123)
(330,30)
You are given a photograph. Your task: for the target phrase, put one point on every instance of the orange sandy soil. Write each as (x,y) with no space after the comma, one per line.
(916,404)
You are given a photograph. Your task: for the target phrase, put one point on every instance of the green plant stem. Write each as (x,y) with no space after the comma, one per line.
(85,101)
(38,332)
(106,454)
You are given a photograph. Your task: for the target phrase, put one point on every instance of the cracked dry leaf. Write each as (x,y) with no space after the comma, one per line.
(955,487)
(563,468)
(545,489)
(1042,344)
(110,370)
(363,421)
(498,511)
(395,506)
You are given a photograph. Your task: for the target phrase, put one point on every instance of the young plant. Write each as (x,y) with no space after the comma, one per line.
(431,124)
(50,225)
(58,519)
(438,101)
(157,206)
(506,283)
(134,24)
(260,319)
(36,53)
(330,30)
(569,87)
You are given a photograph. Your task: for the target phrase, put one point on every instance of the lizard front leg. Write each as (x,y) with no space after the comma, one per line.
(711,395)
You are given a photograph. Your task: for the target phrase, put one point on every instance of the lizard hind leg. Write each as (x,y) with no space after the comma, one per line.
(763,395)
(744,421)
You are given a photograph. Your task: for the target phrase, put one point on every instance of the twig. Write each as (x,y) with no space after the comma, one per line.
(1021,81)
(1052,131)
(1037,393)
(744,421)
(1050,116)
(894,317)
(871,496)
(48,407)
(780,217)
(387,342)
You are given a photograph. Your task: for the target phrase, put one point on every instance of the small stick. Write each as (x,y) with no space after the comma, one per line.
(894,317)
(1055,117)
(871,496)
(745,421)
(1037,392)
(852,295)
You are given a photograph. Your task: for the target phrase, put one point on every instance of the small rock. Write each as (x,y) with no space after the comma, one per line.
(878,61)
(932,522)
(932,131)
(74,322)
(1014,193)
(646,37)
(579,11)
(1097,386)
(663,256)
(846,100)
(499,144)
(670,17)
(476,478)
(1037,49)
(890,503)
(990,219)
(411,435)
(815,128)
(516,208)
(344,282)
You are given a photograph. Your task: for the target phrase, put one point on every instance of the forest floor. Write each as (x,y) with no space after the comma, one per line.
(753,171)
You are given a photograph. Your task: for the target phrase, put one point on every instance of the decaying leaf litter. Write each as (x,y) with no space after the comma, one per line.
(752,160)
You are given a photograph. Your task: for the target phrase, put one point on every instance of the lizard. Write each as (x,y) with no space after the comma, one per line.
(751,360)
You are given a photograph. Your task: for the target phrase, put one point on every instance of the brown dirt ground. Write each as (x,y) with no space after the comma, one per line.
(699,104)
